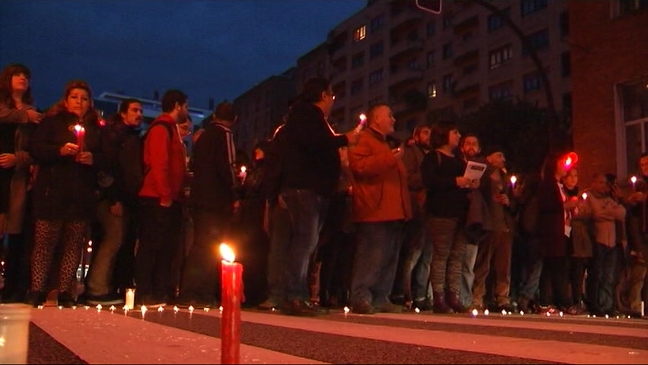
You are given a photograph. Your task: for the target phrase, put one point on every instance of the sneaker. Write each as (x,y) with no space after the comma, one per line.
(66,300)
(363,308)
(105,299)
(269,304)
(36,298)
(390,307)
(301,308)
(423,304)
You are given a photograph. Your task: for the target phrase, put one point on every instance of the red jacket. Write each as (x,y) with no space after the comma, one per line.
(380,191)
(165,161)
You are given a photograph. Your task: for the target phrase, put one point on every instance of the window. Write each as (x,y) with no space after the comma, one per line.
(563,24)
(375,77)
(470,103)
(499,56)
(501,91)
(468,69)
(537,41)
(567,104)
(495,22)
(431,89)
(430,28)
(531,6)
(376,49)
(377,23)
(630,6)
(376,100)
(565,64)
(429,59)
(357,60)
(413,64)
(447,51)
(447,83)
(467,36)
(531,82)
(447,21)
(356,86)
(360,33)
(633,104)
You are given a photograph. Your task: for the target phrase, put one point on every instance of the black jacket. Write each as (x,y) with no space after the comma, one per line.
(213,186)
(65,189)
(123,144)
(310,157)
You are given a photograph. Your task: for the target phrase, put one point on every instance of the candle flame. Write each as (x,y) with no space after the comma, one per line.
(362,117)
(633,179)
(78,128)
(226,252)
(513,179)
(191,308)
(584,196)
(243,168)
(160,309)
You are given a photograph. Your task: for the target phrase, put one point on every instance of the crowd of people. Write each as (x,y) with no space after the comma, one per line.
(318,219)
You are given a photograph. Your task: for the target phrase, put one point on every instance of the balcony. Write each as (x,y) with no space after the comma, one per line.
(404,76)
(406,48)
(406,19)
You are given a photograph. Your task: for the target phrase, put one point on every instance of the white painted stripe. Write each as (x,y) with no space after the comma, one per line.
(112,338)
(563,324)
(547,350)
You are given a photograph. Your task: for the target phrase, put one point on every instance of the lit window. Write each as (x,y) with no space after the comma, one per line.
(360,33)
(431,90)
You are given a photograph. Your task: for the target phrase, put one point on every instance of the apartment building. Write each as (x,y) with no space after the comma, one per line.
(261,109)
(453,62)
(610,85)
(426,64)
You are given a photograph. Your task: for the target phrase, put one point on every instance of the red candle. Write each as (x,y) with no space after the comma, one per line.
(231,297)
(79,131)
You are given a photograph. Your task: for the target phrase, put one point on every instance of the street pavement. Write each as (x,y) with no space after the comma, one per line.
(89,335)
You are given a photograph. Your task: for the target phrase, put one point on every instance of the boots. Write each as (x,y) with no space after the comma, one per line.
(439,303)
(454,302)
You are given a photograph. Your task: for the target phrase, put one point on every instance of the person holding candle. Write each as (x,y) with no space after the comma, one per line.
(581,246)
(638,239)
(606,211)
(555,234)
(18,119)
(381,204)
(413,278)
(310,172)
(494,252)
(64,192)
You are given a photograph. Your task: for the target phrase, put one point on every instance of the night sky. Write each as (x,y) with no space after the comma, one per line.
(217,48)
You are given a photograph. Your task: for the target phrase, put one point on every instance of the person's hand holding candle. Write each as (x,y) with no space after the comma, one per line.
(69,149)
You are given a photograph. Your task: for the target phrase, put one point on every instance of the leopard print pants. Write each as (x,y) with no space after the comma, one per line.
(71,236)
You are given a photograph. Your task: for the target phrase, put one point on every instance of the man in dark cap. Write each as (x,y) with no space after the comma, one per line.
(495,250)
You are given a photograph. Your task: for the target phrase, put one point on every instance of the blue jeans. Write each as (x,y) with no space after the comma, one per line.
(468,275)
(307,211)
(603,277)
(374,265)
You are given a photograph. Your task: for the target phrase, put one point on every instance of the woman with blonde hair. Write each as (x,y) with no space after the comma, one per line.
(64,193)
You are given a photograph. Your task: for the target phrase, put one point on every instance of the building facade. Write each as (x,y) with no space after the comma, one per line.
(450,63)
(610,84)
(261,109)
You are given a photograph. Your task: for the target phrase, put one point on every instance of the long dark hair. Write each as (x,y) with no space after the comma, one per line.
(6,91)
